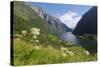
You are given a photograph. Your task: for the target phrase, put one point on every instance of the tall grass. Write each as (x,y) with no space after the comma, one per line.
(26,54)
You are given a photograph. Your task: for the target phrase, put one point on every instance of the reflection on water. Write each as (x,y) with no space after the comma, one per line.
(69,37)
(90,45)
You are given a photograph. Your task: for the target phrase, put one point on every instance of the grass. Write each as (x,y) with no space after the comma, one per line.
(26,54)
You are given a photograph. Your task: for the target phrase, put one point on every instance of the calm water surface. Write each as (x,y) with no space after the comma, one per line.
(90,45)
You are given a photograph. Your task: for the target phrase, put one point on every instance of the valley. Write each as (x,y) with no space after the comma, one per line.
(40,38)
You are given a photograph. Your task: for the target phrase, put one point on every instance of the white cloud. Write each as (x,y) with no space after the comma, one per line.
(70,19)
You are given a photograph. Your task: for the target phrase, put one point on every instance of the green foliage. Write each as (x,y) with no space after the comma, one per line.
(26,54)
(26,18)
(88,37)
(52,37)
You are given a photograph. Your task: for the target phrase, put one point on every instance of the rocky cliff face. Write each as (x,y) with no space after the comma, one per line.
(26,17)
(88,23)
(54,23)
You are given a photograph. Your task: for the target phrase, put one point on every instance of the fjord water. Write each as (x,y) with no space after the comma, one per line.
(90,45)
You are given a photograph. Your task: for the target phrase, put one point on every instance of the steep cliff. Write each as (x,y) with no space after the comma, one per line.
(88,23)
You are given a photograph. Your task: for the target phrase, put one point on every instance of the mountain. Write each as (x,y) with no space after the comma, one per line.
(55,24)
(25,17)
(88,23)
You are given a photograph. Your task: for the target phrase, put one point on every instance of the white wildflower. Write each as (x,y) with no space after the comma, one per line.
(64,54)
(34,37)
(36,40)
(37,47)
(18,35)
(32,40)
(24,32)
(86,52)
(70,53)
(35,31)
(63,49)
(18,39)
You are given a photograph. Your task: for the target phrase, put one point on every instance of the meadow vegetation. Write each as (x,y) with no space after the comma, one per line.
(36,48)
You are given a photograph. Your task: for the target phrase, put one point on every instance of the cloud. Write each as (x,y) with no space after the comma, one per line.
(70,19)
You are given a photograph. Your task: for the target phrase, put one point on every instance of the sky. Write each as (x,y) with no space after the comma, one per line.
(69,14)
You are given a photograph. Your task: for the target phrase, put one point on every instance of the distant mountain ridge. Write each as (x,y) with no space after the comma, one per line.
(53,22)
(88,23)
(26,17)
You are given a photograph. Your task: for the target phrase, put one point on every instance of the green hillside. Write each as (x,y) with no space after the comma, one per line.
(25,18)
